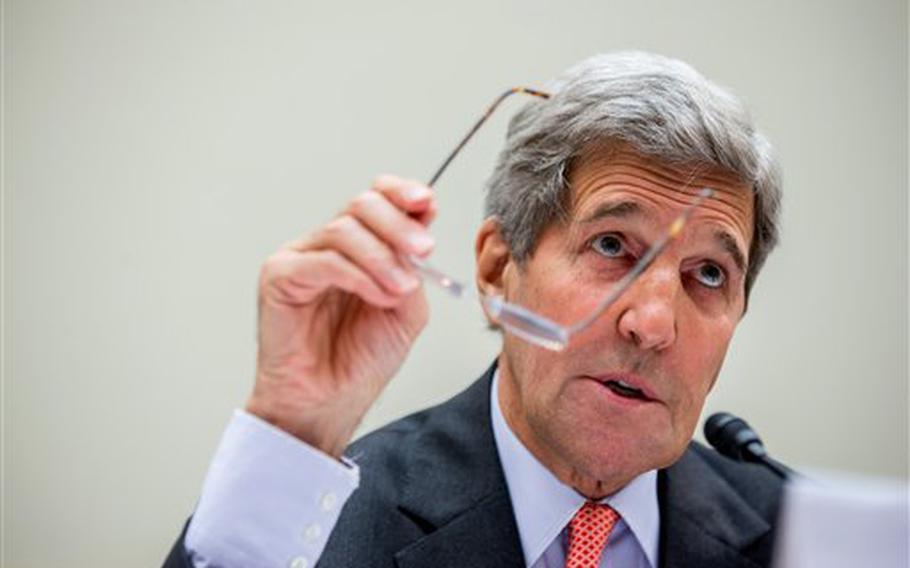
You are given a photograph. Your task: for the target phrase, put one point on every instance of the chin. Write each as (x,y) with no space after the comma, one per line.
(619,462)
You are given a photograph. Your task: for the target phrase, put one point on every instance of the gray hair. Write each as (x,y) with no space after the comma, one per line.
(659,107)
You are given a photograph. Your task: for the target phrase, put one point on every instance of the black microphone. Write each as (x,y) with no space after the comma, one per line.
(734,438)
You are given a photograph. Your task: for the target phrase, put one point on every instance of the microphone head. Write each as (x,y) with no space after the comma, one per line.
(733,437)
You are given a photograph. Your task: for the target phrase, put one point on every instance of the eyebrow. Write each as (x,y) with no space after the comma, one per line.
(614,210)
(730,245)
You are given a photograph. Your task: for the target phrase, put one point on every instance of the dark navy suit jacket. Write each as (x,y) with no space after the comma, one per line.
(432,494)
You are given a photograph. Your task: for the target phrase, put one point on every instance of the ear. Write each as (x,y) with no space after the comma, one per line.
(492,257)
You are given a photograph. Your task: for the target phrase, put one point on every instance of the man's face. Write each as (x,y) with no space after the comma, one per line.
(666,336)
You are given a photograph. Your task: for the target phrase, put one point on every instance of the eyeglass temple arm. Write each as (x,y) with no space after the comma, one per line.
(479,123)
(448,283)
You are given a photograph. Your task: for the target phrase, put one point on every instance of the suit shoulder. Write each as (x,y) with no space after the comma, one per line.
(386,455)
(436,429)
(390,440)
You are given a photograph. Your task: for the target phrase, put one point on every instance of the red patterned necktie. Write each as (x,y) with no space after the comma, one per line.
(588,533)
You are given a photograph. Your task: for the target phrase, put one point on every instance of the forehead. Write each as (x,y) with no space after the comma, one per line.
(622,176)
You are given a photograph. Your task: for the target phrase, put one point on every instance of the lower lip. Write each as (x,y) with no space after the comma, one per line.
(617,398)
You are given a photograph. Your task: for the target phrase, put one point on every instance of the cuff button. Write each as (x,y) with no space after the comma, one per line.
(328,501)
(312,532)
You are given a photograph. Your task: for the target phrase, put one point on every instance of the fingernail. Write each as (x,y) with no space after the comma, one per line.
(416,192)
(422,242)
(403,281)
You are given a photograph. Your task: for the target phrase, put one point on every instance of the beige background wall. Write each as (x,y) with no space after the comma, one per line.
(155,152)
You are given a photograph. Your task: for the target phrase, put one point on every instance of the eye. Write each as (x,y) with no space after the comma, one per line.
(711,275)
(608,245)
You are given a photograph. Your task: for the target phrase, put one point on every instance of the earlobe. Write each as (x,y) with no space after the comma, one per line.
(492,256)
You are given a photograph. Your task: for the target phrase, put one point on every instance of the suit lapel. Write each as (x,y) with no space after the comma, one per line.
(483,536)
(704,522)
(456,490)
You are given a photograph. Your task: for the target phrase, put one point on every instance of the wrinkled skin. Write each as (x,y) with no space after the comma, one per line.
(667,334)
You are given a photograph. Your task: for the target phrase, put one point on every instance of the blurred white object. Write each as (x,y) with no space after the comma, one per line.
(844,521)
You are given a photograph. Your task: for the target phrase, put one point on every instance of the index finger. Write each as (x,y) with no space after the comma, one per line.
(411,196)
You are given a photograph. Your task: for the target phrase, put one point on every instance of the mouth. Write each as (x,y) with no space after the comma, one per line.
(626,388)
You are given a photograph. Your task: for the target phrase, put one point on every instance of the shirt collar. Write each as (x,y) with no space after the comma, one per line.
(542,518)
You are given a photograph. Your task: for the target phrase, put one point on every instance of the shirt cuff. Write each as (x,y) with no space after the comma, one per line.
(268,499)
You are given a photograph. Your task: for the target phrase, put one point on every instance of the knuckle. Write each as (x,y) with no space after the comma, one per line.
(338,227)
(384,181)
(364,202)
(331,261)
(272,262)
(273,268)
(331,257)
(377,259)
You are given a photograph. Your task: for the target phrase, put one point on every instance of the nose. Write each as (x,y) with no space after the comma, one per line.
(647,315)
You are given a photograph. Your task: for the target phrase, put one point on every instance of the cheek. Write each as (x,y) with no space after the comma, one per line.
(702,353)
(536,370)
(554,295)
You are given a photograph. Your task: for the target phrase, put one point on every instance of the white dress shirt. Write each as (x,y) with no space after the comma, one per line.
(270,500)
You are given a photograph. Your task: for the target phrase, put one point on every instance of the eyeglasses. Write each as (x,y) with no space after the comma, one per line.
(522,322)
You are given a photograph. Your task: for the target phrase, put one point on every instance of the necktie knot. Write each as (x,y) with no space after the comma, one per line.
(589,530)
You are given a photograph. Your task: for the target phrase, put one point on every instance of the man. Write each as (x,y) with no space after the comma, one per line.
(579,457)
